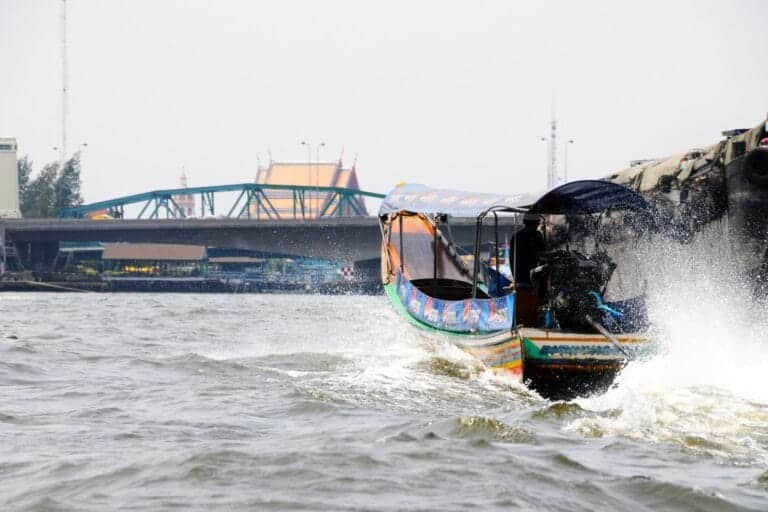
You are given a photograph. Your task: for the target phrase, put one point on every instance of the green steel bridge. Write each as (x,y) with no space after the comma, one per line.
(336,202)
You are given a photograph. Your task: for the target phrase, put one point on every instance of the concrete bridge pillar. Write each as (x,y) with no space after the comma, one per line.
(38,256)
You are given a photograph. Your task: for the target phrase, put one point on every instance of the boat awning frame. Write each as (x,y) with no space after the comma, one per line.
(415,198)
(583,197)
(580,197)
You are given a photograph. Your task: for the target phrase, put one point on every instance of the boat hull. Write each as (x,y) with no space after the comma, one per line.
(563,365)
(564,380)
(558,365)
(500,351)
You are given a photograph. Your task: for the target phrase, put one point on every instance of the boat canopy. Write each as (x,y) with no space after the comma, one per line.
(416,198)
(586,197)
(574,198)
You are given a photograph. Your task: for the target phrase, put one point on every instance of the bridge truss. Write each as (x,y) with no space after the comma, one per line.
(252,201)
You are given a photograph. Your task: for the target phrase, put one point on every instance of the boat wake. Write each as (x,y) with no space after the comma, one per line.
(358,352)
(705,389)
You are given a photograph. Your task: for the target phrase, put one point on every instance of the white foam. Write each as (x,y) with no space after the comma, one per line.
(705,389)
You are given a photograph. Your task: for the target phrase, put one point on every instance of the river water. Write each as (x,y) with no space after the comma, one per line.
(279,402)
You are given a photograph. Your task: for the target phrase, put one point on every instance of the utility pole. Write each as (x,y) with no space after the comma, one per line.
(565,171)
(552,177)
(309,176)
(317,177)
(64,87)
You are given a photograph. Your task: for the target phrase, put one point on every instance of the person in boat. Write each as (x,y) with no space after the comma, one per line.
(528,244)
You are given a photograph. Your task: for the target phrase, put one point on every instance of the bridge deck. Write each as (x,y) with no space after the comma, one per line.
(341,238)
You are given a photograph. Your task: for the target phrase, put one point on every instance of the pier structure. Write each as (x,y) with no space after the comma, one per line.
(353,240)
(311,212)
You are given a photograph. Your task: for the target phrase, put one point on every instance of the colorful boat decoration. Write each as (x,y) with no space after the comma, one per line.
(543,320)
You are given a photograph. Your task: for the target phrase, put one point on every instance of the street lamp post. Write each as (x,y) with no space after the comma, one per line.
(565,178)
(309,173)
(317,176)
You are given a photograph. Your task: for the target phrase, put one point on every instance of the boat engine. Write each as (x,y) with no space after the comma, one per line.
(566,278)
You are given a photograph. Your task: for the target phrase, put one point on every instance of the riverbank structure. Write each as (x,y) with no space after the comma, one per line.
(9,179)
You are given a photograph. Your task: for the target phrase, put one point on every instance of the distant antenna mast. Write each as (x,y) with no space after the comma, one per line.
(552,177)
(551,140)
(64,86)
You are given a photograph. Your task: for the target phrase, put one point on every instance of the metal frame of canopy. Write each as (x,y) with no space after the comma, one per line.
(495,210)
(583,197)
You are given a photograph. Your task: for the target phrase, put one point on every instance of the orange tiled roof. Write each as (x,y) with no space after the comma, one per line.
(323,174)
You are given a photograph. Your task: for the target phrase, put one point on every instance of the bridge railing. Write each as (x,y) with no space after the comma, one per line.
(253,200)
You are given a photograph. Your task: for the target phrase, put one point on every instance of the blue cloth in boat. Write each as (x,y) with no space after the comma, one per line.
(468,315)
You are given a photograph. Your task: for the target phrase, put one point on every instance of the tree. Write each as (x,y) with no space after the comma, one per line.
(50,190)
(68,184)
(39,200)
(25,172)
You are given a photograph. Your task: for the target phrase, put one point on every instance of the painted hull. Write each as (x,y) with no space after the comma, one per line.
(558,365)
(499,351)
(563,365)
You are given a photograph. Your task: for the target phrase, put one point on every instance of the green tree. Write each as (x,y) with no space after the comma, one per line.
(68,184)
(50,190)
(39,199)
(25,173)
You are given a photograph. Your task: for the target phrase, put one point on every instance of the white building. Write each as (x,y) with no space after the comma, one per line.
(186,201)
(9,179)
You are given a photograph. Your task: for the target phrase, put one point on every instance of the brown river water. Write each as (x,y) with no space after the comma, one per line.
(281,402)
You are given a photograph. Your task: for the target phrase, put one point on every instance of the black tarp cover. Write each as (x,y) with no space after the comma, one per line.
(586,197)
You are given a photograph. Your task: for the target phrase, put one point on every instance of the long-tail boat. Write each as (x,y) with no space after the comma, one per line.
(546,323)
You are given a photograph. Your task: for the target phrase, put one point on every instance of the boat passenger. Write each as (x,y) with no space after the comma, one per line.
(529,243)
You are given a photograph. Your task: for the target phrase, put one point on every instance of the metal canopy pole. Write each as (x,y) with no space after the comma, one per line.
(514,254)
(435,248)
(476,256)
(496,250)
(402,249)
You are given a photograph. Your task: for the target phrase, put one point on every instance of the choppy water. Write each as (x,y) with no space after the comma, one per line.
(159,402)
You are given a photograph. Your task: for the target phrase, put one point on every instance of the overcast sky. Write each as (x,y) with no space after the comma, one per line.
(448,94)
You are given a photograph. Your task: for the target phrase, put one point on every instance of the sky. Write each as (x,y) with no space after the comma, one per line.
(449,94)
